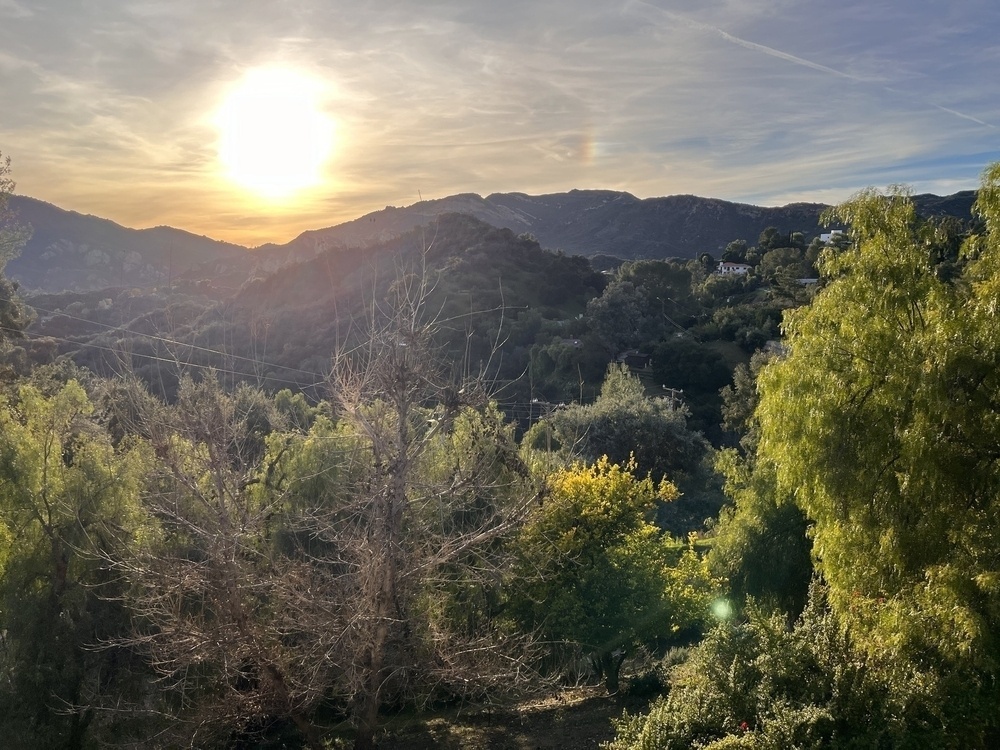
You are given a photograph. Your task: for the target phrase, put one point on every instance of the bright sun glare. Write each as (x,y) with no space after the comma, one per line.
(274,138)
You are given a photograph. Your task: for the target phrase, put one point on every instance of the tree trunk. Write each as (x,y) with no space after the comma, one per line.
(608,666)
(381,600)
(308,730)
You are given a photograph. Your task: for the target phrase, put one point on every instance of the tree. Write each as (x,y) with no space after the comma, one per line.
(594,571)
(698,370)
(625,422)
(618,316)
(772,238)
(226,616)
(735,252)
(755,682)
(67,499)
(707,263)
(760,543)
(780,260)
(877,422)
(434,486)
(666,288)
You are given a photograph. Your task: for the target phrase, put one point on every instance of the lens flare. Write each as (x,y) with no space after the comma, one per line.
(722,610)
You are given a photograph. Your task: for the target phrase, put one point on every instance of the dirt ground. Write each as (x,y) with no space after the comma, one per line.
(576,718)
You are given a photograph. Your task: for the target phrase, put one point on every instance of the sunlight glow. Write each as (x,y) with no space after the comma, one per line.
(722,610)
(274,138)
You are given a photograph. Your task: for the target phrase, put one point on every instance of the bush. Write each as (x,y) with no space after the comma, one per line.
(759,683)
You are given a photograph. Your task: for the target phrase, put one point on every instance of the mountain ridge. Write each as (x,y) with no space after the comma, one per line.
(592,222)
(79,252)
(71,250)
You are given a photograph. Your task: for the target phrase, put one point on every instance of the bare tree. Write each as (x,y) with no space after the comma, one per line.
(435,485)
(352,565)
(217,608)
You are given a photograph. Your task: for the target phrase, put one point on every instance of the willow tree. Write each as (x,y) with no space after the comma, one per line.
(882,423)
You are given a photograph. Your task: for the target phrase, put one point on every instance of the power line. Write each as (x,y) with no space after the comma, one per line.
(164,339)
(155,358)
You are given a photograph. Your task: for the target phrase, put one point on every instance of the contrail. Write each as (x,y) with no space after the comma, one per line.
(746,44)
(772,52)
(963,116)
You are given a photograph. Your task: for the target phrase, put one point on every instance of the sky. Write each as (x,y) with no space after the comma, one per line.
(124,108)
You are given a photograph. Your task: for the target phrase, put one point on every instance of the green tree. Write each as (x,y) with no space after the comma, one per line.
(594,571)
(68,502)
(618,316)
(755,683)
(760,543)
(666,287)
(772,238)
(700,372)
(736,251)
(787,260)
(624,422)
(878,423)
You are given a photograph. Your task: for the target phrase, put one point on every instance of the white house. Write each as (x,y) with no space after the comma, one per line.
(728,268)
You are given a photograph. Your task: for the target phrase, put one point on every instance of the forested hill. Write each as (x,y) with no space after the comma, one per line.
(591,222)
(484,284)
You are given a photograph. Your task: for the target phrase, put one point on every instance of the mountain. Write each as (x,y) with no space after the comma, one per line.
(591,222)
(282,328)
(78,252)
(71,251)
(959,204)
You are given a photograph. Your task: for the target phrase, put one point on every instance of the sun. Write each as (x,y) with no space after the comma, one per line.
(274,137)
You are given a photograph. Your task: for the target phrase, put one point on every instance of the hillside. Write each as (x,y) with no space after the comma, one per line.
(69,251)
(591,222)
(485,280)
(73,251)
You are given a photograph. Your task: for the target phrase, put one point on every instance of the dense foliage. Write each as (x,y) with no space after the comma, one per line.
(203,557)
(593,570)
(757,683)
(876,424)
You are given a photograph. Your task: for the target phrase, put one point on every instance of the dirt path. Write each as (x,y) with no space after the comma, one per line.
(575,719)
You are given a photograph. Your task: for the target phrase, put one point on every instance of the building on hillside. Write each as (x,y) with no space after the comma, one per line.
(827,237)
(729,268)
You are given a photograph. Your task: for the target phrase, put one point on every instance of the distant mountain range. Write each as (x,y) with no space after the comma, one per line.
(72,251)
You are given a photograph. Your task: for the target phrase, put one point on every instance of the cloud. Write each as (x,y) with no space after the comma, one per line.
(14,9)
(108,105)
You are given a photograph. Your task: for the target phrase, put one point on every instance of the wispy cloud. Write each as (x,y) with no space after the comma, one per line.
(108,106)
